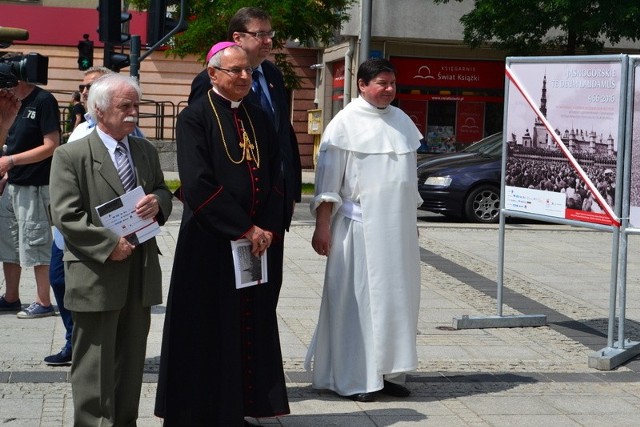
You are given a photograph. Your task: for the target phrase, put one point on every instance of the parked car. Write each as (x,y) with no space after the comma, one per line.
(465,184)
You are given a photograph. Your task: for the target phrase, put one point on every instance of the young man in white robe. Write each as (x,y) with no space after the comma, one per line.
(365,204)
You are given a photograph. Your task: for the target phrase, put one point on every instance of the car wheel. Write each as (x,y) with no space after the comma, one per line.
(483,204)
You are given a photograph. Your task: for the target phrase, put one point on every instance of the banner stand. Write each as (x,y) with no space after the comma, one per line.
(611,357)
(623,349)
(586,90)
(523,320)
(499,320)
(481,322)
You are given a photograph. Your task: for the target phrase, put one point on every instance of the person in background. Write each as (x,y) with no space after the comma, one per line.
(111,283)
(56,279)
(365,202)
(221,359)
(87,126)
(9,106)
(25,231)
(77,109)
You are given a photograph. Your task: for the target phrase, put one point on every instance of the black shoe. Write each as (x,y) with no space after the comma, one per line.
(10,306)
(60,359)
(395,390)
(249,424)
(363,397)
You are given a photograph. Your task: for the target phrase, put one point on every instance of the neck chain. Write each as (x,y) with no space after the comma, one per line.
(250,150)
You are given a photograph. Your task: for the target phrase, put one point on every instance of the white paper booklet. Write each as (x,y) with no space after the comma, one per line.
(250,270)
(119,216)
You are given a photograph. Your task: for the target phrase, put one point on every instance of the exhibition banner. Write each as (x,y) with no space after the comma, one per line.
(563,131)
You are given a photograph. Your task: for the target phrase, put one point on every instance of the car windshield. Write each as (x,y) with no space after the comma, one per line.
(489,146)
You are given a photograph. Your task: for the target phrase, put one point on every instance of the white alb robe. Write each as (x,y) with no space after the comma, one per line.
(369,311)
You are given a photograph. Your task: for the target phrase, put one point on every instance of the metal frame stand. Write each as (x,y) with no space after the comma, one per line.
(623,349)
(500,320)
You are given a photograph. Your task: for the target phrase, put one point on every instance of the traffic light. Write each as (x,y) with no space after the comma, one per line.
(85,53)
(115,60)
(111,20)
(159,22)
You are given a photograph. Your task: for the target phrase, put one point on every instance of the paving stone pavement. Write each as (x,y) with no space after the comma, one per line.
(535,376)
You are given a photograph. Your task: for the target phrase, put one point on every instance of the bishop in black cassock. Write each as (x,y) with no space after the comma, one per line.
(221,358)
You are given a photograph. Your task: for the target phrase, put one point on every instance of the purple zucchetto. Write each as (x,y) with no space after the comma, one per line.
(218,47)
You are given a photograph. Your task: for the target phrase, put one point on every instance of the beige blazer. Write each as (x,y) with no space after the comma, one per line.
(83,176)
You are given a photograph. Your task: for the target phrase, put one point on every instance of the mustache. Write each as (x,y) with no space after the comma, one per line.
(130,119)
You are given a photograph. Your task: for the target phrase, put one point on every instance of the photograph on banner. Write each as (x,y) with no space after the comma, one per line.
(571,173)
(634,190)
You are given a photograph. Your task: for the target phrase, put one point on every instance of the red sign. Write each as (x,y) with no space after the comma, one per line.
(417,110)
(449,73)
(73,22)
(469,122)
(338,81)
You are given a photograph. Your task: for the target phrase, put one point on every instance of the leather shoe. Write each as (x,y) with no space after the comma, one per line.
(363,397)
(59,359)
(249,424)
(395,390)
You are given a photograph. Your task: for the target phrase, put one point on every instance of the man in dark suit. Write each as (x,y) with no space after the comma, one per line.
(110,282)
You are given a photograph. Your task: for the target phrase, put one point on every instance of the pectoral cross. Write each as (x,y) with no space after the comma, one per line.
(246,144)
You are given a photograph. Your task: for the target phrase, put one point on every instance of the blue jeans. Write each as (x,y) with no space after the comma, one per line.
(56,278)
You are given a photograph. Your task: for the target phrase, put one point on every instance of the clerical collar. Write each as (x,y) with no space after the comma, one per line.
(234,104)
(374,106)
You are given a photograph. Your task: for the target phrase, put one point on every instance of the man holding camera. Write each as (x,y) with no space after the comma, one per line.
(25,232)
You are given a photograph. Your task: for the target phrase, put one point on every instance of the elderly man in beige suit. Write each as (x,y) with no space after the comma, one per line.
(110,282)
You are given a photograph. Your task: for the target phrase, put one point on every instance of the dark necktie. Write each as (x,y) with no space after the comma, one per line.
(124,168)
(264,101)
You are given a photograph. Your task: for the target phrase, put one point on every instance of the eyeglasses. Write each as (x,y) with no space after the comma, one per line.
(82,87)
(236,71)
(262,35)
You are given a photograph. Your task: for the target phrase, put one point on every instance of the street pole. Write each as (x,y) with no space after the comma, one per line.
(365,31)
(134,57)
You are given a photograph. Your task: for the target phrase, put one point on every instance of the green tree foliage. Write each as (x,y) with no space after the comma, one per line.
(527,27)
(308,22)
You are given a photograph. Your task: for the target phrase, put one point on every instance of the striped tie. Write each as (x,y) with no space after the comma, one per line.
(124,168)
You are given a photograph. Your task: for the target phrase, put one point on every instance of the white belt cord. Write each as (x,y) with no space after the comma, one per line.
(351,210)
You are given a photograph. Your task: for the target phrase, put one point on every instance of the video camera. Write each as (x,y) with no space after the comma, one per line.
(31,68)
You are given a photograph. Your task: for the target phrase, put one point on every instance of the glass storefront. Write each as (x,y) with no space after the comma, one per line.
(453,102)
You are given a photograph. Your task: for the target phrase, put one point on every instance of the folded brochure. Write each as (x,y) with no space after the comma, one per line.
(250,270)
(119,215)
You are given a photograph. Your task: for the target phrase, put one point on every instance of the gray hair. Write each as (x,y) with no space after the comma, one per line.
(101,70)
(103,90)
